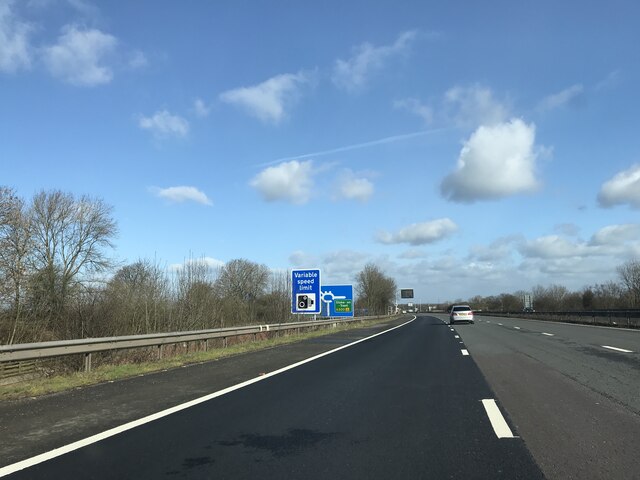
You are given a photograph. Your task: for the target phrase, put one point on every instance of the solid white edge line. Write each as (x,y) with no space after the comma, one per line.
(464,352)
(623,350)
(43,457)
(498,422)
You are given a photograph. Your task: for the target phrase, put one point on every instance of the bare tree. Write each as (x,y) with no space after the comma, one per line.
(136,300)
(240,284)
(197,302)
(15,247)
(376,291)
(70,238)
(629,273)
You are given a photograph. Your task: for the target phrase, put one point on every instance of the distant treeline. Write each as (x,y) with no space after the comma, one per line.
(58,281)
(623,294)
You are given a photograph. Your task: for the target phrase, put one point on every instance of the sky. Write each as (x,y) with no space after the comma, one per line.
(465,148)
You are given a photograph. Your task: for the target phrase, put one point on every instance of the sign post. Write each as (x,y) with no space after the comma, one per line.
(338,300)
(305,291)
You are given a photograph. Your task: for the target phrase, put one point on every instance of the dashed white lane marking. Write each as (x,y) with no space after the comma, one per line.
(498,422)
(43,457)
(464,352)
(500,324)
(517,328)
(548,334)
(457,336)
(623,350)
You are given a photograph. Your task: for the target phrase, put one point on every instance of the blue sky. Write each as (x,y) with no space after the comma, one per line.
(464,147)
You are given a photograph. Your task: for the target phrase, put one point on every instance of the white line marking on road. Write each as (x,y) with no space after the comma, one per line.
(548,334)
(498,422)
(623,350)
(517,328)
(43,457)
(457,336)
(464,352)
(500,324)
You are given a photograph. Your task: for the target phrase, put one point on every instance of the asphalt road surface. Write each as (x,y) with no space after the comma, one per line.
(408,403)
(572,391)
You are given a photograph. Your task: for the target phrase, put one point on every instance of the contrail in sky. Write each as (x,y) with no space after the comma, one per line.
(357,146)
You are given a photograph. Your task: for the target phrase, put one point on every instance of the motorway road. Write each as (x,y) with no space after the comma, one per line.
(404,404)
(573,391)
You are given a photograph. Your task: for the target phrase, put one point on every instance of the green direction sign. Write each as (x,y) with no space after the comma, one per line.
(343,306)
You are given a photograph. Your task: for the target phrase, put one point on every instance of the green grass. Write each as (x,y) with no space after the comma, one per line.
(109,373)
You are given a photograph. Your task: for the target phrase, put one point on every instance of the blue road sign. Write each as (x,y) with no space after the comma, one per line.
(338,300)
(305,291)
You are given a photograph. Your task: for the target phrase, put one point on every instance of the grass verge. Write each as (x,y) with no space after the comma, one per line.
(109,373)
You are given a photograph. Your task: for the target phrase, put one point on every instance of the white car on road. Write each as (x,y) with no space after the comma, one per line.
(460,313)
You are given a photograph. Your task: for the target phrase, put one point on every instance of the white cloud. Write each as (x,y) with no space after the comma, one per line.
(15,49)
(413,253)
(568,229)
(351,187)
(616,242)
(473,106)
(85,8)
(496,161)
(78,56)
(571,96)
(200,108)
(137,59)
(164,124)
(415,106)
(613,235)
(289,181)
(420,233)
(623,188)
(352,74)
(208,262)
(552,246)
(609,82)
(499,250)
(342,266)
(269,100)
(183,194)
(301,259)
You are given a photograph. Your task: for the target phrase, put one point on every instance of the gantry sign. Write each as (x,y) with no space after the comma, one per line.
(406,293)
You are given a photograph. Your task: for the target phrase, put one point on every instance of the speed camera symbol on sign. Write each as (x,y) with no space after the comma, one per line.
(306,301)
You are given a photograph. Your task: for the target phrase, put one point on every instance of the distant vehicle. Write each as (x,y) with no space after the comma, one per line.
(528,310)
(404,311)
(460,313)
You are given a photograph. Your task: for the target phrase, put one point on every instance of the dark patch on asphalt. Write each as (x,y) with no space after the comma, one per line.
(191,463)
(197,462)
(291,443)
(621,357)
